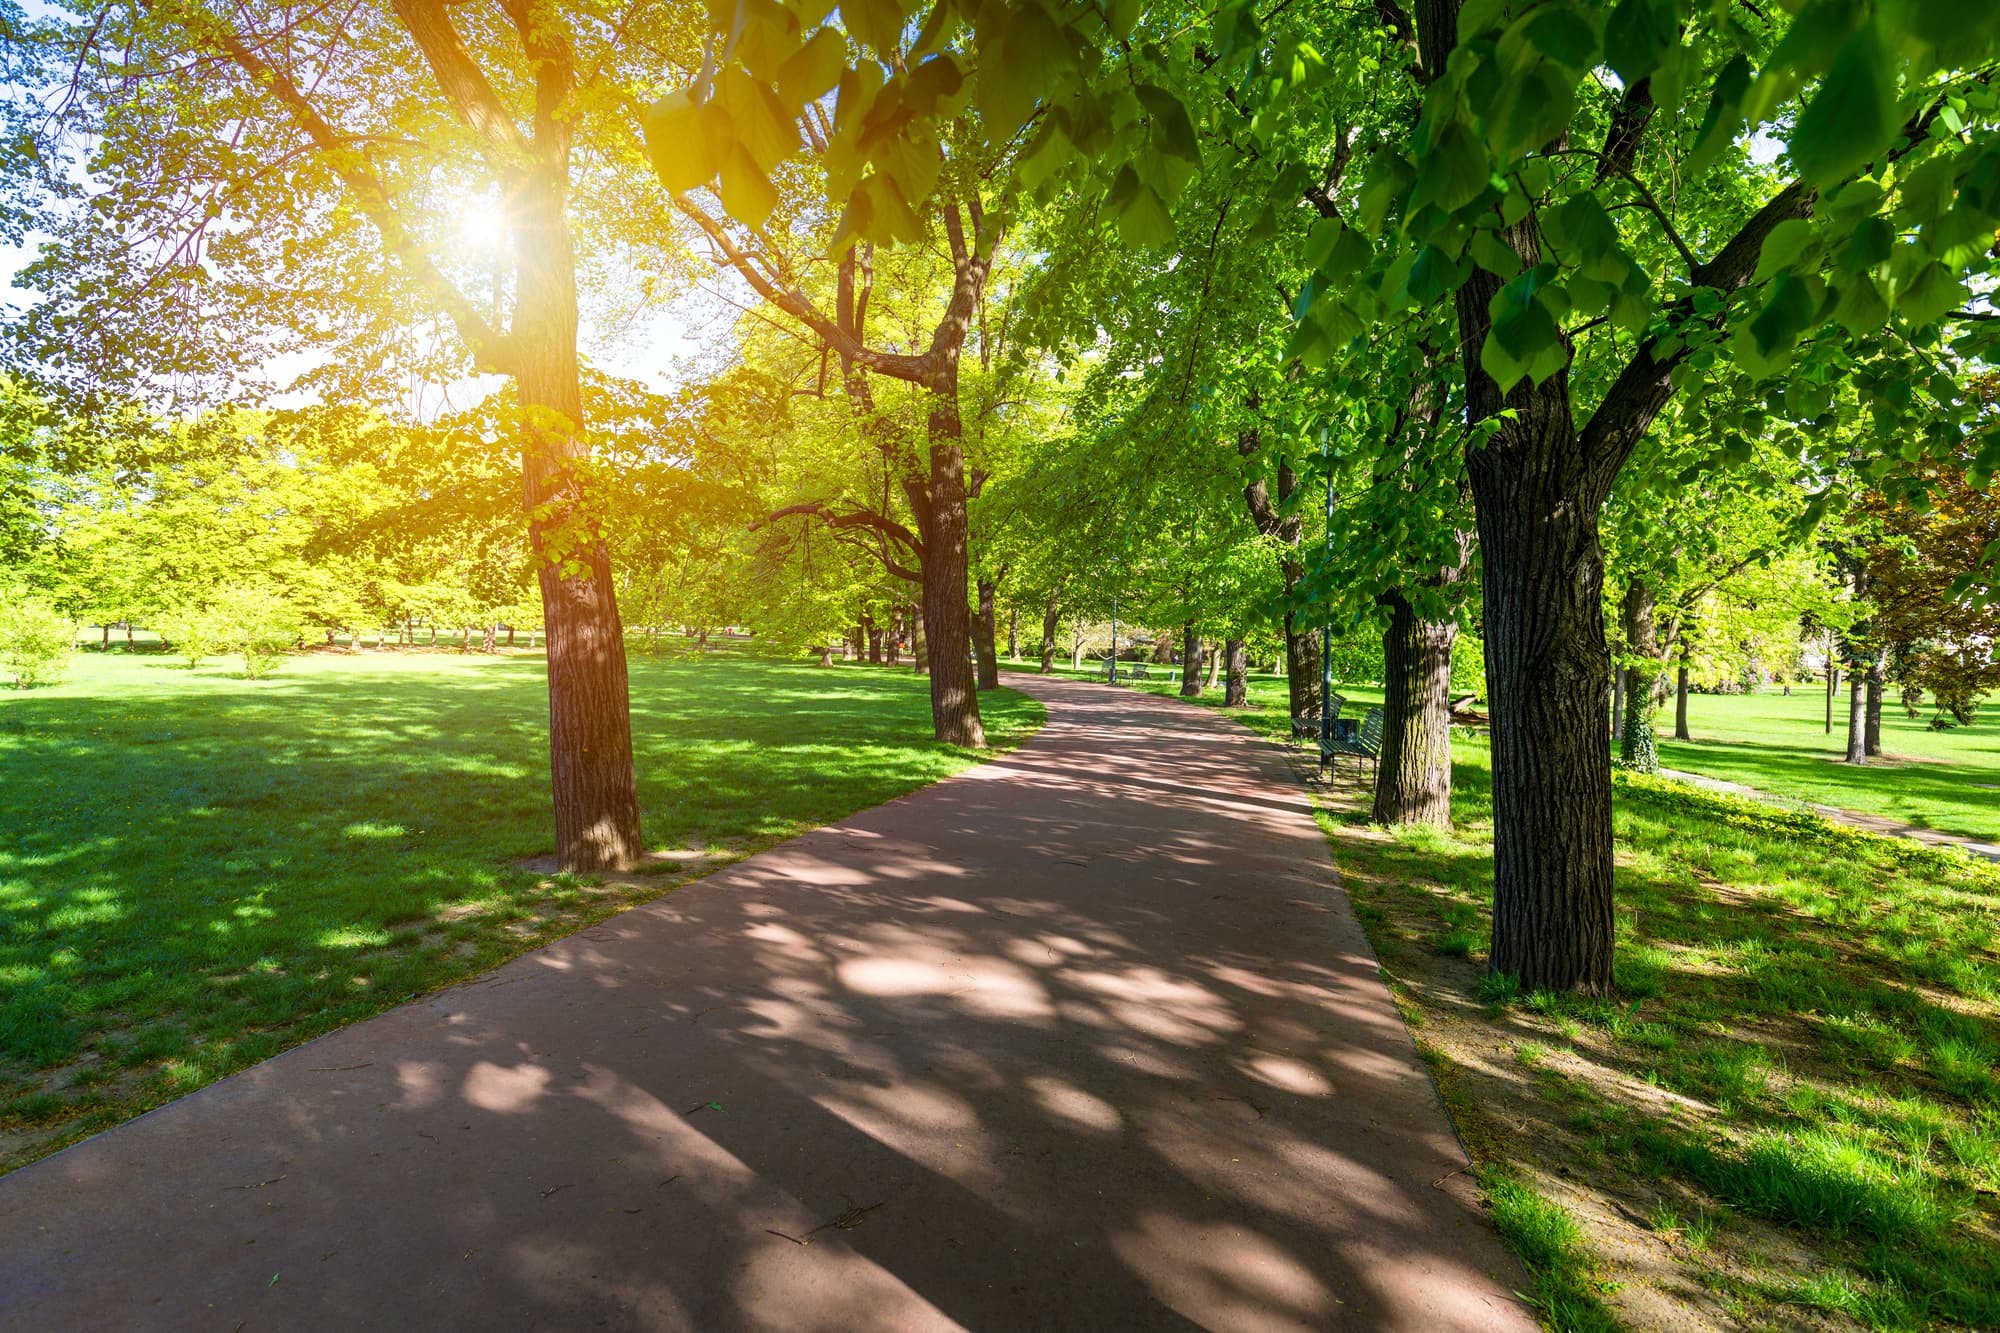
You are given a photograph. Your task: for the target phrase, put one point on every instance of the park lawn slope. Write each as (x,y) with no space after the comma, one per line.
(198,871)
(1790,1113)
(1945,780)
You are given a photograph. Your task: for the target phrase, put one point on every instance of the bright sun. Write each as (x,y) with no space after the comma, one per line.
(481,226)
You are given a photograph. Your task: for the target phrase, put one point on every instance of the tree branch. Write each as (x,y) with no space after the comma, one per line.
(461,80)
(491,351)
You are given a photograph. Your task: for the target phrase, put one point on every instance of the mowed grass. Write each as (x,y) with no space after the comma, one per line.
(1946,780)
(1797,1085)
(198,870)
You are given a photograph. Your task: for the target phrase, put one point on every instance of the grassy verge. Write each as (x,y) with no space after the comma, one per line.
(1789,1116)
(197,871)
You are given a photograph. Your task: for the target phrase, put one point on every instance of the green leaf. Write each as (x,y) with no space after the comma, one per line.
(677,143)
(1453,172)
(1143,217)
(1872,243)
(1932,292)
(1561,35)
(1637,37)
(769,36)
(1785,315)
(813,70)
(1495,255)
(1122,16)
(1725,110)
(1854,116)
(1320,238)
(1173,131)
(879,23)
(746,192)
(1783,246)
(1388,175)
(764,129)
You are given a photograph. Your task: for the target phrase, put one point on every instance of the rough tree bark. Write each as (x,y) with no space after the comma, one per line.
(1638,743)
(1681,732)
(1301,667)
(1236,689)
(1878,678)
(1214,671)
(1857,716)
(1013,634)
(983,633)
(1051,616)
(1413,772)
(1190,661)
(920,643)
(590,731)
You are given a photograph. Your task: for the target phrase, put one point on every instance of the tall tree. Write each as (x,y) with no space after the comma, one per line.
(232,150)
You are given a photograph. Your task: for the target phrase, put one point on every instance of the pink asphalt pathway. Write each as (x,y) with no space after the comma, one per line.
(1086,1038)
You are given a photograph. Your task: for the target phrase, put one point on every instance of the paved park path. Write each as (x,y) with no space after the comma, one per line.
(1086,1038)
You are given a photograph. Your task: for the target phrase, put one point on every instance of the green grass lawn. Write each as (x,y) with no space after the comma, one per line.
(198,870)
(1946,780)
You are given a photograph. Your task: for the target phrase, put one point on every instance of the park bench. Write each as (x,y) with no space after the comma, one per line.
(1139,671)
(1367,744)
(1303,727)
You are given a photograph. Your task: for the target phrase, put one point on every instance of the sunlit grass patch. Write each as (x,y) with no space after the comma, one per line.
(1552,1247)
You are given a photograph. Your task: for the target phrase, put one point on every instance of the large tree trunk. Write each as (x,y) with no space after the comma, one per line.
(1214,667)
(1013,634)
(1857,715)
(1236,690)
(946,619)
(983,632)
(874,644)
(1190,661)
(1617,702)
(1301,646)
(1413,774)
(1051,618)
(920,643)
(1681,732)
(1639,744)
(590,724)
(1878,676)
(1301,668)
(1543,573)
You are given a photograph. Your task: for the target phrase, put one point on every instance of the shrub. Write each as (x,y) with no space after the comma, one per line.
(35,639)
(256,624)
(193,633)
